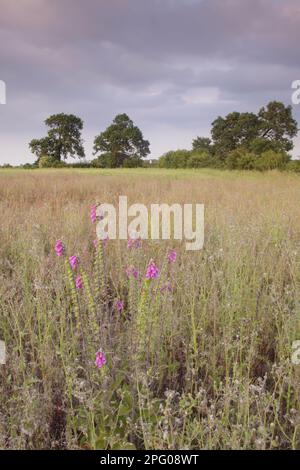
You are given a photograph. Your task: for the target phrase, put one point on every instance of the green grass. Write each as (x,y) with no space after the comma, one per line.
(147,172)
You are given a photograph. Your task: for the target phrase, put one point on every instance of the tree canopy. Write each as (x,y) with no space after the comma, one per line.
(273,128)
(276,124)
(120,143)
(234,130)
(242,141)
(202,144)
(63,139)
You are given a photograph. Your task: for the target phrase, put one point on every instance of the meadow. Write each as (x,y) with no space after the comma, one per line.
(195,357)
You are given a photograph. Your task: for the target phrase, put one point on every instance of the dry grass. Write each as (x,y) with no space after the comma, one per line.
(215,368)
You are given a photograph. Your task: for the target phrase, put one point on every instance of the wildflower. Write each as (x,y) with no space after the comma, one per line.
(134,243)
(100,359)
(152,270)
(131,271)
(119,305)
(93,214)
(130,243)
(78,282)
(172,256)
(73,262)
(95,242)
(59,248)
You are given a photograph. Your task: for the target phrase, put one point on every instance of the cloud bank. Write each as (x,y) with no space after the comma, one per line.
(172,65)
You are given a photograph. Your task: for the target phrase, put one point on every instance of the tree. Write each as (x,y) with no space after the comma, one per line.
(234,130)
(121,141)
(273,128)
(278,125)
(202,144)
(241,159)
(271,160)
(175,159)
(63,138)
(199,159)
(41,147)
(261,145)
(50,162)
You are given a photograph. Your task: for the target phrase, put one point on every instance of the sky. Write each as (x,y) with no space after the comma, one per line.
(172,65)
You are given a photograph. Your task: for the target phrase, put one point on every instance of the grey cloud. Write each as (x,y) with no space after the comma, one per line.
(99,57)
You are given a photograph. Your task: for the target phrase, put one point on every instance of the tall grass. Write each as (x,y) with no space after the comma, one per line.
(198,358)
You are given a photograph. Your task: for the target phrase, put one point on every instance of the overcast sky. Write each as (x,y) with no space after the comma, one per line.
(172,65)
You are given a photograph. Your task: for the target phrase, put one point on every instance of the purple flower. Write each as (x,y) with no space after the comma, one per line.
(134,243)
(152,270)
(93,214)
(73,262)
(78,282)
(100,359)
(131,271)
(59,248)
(119,305)
(172,256)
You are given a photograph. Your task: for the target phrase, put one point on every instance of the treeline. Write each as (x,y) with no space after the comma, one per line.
(239,159)
(243,141)
(121,145)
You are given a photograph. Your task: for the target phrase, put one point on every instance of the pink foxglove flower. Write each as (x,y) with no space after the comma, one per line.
(73,262)
(134,243)
(152,270)
(78,282)
(93,214)
(59,248)
(120,305)
(131,271)
(172,256)
(100,359)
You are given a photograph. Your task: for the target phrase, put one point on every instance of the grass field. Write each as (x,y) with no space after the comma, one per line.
(198,358)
